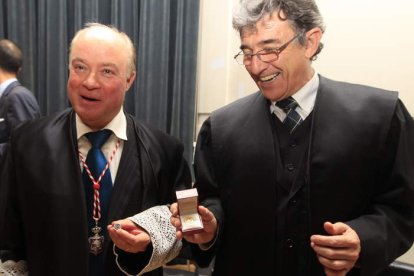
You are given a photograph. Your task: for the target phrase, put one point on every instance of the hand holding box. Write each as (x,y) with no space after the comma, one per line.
(188,209)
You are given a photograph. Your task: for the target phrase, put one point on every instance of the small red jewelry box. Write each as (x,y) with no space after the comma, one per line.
(187,200)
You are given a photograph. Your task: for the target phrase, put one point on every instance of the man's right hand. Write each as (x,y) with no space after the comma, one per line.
(209,222)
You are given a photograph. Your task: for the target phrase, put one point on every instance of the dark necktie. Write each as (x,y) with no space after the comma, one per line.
(292,119)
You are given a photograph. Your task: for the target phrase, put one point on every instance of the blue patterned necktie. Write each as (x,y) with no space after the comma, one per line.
(96,163)
(292,119)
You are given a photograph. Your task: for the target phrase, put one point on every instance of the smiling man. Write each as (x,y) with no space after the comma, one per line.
(100,76)
(308,176)
(60,199)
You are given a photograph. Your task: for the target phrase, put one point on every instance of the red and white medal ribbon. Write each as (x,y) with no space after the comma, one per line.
(96,213)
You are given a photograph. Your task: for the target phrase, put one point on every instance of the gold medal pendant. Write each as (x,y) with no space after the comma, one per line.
(96,241)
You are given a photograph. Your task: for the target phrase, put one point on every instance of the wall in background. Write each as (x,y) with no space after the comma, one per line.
(370,42)
(366,41)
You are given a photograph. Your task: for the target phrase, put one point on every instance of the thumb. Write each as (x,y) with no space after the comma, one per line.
(205,213)
(335,228)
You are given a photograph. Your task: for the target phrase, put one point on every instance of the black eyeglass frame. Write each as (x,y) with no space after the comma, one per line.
(277,51)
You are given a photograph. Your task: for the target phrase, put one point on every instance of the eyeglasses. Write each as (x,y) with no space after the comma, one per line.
(265,55)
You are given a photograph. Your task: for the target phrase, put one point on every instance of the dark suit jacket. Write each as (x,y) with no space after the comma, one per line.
(17,104)
(46,215)
(359,171)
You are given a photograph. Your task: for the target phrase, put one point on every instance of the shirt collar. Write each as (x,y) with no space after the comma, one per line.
(305,97)
(5,84)
(118,126)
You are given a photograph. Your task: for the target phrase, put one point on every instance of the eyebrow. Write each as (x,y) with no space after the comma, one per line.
(108,64)
(78,59)
(262,43)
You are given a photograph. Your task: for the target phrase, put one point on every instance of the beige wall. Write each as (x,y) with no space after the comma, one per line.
(220,79)
(370,42)
(366,41)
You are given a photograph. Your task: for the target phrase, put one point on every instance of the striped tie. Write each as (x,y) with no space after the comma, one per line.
(292,119)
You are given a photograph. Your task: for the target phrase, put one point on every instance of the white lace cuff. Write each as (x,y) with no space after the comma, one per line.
(156,221)
(12,268)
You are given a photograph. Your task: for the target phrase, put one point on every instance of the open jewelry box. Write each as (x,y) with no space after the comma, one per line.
(187,200)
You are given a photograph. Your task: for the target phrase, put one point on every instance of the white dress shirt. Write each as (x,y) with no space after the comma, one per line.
(305,97)
(118,126)
(4,85)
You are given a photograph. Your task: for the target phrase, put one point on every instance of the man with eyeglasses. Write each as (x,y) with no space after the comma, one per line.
(308,176)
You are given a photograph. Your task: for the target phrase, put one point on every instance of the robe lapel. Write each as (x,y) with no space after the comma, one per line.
(258,131)
(127,178)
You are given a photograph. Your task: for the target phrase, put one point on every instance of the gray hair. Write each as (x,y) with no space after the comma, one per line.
(124,36)
(302,15)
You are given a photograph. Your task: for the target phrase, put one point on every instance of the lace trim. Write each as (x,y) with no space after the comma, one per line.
(156,221)
(12,268)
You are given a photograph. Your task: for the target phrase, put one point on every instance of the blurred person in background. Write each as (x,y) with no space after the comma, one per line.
(17,103)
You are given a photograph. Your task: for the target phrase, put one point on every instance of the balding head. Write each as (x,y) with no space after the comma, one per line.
(11,57)
(104,32)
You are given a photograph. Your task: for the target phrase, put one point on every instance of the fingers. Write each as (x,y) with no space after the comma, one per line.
(336,264)
(209,228)
(341,236)
(174,209)
(124,224)
(335,229)
(338,251)
(175,220)
(136,244)
(206,215)
(128,236)
(209,224)
(330,272)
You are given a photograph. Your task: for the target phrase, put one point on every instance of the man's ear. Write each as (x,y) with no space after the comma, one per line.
(313,38)
(130,79)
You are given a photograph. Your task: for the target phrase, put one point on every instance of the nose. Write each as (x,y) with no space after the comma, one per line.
(256,65)
(91,80)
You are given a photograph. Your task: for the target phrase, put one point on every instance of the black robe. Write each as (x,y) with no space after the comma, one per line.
(42,190)
(359,170)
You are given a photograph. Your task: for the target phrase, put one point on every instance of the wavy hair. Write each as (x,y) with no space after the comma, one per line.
(302,15)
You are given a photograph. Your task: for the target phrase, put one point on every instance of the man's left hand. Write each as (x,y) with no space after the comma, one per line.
(339,251)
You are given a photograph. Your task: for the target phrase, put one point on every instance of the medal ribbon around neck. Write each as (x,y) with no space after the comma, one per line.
(96,213)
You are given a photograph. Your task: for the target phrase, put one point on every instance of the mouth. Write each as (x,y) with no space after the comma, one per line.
(269,78)
(89,99)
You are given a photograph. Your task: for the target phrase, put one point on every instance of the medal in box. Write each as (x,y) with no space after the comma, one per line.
(188,209)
